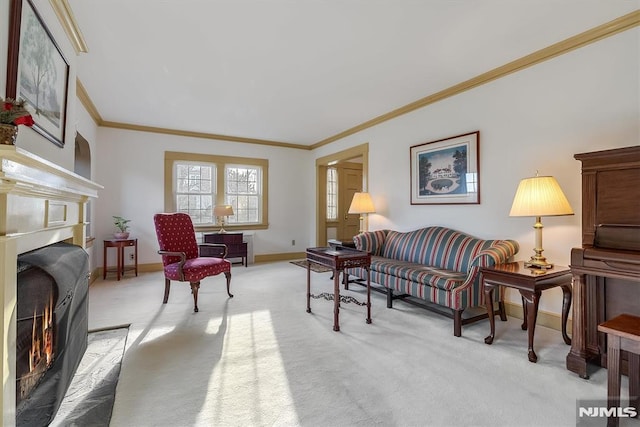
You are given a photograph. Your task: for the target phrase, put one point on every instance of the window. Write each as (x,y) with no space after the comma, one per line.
(243,193)
(195,190)
(332,194)
(195,183)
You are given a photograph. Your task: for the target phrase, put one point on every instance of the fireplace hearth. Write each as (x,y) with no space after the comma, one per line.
(52,328)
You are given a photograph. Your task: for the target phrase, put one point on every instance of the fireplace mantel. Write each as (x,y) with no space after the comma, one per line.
(40,203)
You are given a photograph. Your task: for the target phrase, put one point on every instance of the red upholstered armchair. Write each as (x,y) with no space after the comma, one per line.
(180,254)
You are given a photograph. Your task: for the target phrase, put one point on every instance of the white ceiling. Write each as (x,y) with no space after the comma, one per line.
(300,71)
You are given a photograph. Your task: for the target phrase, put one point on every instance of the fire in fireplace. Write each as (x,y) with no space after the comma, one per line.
(52,328)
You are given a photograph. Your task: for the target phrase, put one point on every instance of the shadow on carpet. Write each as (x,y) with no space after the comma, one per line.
(314,267)
(89,399)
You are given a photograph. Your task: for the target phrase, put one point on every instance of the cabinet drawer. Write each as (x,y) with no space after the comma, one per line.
(226,238)
(235,250)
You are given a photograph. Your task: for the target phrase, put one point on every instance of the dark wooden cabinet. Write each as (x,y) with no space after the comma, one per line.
(236,246)
(606,269)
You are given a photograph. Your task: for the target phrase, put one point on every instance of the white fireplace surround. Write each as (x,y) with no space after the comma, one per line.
(40,203)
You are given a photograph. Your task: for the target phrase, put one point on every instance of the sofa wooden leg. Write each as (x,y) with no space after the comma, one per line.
(457,323)
(167,288)
(389,298)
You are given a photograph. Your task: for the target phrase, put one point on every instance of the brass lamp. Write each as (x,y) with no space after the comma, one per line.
(361,204)
(221,212)
(539,196)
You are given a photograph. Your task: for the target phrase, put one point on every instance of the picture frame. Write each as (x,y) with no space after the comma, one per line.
(446,171)
(37,71)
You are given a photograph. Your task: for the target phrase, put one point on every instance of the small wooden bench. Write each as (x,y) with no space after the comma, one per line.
(623,333)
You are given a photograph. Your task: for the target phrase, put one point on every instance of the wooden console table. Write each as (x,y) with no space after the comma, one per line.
(120,244)
(338,259)
(530,283)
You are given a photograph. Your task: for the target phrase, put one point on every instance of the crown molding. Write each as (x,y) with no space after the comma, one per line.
(204,135)
(68,21)
(608,29)
(83,96)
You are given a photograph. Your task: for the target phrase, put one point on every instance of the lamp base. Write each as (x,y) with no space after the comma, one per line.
(540,264)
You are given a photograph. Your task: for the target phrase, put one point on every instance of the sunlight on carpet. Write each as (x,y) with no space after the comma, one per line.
(247,386)
(89,399)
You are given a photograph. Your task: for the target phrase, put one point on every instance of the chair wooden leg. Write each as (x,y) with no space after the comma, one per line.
(167,288)
(195,286)
(228,276)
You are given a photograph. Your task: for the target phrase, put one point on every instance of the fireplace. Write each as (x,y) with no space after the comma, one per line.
(41,204)
(52,323)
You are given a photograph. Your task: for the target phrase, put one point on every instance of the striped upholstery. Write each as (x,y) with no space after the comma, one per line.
(436,264)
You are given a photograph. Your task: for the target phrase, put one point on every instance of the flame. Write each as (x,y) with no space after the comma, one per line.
(42,345)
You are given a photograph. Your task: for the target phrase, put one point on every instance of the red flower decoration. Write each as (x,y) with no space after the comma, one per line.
(24,120)
(14,113)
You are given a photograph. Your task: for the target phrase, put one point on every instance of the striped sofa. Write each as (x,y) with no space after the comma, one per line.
(436,266)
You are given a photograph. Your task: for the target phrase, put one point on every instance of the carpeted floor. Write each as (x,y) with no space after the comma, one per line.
(91,394)
(259,359)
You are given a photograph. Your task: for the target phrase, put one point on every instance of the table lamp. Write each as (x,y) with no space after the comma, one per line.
(361,204)
(539,196)
(221,212)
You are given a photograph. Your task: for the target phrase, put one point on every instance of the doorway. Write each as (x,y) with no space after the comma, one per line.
(352,171)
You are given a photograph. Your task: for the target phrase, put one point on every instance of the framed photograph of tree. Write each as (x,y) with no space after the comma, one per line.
(446,171)
(37,71)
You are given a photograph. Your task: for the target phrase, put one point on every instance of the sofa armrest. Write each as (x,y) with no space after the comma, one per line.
(499,253)
(371,241)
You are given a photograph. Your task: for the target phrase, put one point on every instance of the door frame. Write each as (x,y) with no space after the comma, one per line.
(322,163)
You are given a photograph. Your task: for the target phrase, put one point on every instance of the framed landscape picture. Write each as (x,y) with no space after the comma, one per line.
(37,71)
(446,171)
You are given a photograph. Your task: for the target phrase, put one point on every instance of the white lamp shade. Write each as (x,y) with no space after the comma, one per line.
(223,210)
(361,203)
(540,196)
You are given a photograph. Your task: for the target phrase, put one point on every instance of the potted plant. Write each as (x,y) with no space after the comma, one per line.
(12,114)
(121,224)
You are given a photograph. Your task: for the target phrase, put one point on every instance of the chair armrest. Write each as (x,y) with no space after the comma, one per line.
(222,249)
(183,259)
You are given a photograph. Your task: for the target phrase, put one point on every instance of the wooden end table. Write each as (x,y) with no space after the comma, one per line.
(530,282)
(338,259)
(120,244)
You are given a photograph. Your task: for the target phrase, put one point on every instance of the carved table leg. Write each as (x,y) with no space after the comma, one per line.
(308,287)
(488,297)
(336,302)
(532,300)
(566,304)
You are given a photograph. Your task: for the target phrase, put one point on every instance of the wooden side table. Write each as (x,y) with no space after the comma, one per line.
(338,259)
(530,282)
(120,244)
